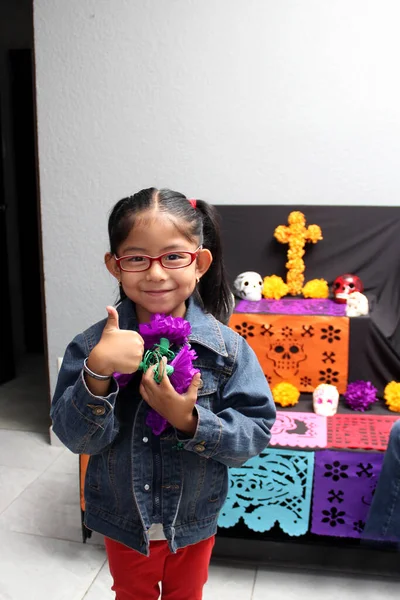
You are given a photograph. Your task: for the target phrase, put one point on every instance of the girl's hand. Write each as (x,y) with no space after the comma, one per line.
(119,350)
(176,408)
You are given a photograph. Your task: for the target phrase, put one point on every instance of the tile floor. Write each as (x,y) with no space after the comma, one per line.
(41,554)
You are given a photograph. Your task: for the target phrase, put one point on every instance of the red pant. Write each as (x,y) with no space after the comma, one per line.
(137,577)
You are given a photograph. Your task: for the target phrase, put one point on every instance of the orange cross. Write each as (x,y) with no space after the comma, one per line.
(296,235)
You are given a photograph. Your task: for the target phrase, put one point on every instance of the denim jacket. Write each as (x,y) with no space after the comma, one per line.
(134,478)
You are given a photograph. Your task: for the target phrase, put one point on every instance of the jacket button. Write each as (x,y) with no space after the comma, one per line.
(199,448)
(98,410)
(147,487)
(201,384)
(145,440)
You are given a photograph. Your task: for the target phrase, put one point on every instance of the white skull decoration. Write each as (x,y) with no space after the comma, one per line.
(357,305)
(325,400)
(248,286)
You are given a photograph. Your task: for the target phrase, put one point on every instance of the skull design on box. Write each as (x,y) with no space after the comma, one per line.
(286,354)
(325,400)
(357,305)
(248,286)
(344,285)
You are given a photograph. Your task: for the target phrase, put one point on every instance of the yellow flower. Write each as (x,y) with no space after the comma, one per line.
(282,234)
(314,233)
(296,217)
(274,287)
(391,395)
(285,394)
(295,280)
(295,254)
(297,231)
(296,250)
(295,288)
(296,265)
(295,276)
(316,288)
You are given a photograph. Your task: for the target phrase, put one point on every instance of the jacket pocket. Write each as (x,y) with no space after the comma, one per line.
(207,392)
(217,480)
(93,475)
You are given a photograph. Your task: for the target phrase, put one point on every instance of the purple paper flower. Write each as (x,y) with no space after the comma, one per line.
(360,394)
(180,379)
(156,422)
(184,371)
(175,329)
(122,378)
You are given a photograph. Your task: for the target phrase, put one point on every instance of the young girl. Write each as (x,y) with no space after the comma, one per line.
(157,497)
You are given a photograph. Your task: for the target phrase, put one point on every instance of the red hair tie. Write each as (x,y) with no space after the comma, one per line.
(193,202)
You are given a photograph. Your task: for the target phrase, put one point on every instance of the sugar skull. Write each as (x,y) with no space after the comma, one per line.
(248,286)
(325,400)
(357,305)
(344,285)
(286,354)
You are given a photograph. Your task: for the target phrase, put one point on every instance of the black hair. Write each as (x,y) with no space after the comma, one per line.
(202,222)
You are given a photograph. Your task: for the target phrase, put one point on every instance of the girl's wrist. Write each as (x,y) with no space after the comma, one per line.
(98,363)
(189,425)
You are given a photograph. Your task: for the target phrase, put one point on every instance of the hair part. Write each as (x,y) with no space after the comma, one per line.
(201,223)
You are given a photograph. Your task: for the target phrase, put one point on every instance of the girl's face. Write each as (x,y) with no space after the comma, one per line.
(158,290)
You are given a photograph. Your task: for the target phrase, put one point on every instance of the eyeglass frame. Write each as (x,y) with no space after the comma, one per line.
(193,256)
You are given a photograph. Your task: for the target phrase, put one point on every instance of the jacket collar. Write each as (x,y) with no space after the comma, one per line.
(206,330)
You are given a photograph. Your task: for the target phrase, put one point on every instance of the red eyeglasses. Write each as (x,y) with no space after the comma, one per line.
(168,260)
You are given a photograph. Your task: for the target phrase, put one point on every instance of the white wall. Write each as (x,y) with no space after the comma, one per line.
(235,101)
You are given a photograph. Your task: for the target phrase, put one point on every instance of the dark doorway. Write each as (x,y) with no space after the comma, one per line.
(24,392)
(24,389)
(23,127)
(7,364)
(22,333)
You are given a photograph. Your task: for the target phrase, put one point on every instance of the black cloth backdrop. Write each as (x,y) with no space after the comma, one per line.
(361,240)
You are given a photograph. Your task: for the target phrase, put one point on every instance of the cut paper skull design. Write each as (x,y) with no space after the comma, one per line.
(286,354)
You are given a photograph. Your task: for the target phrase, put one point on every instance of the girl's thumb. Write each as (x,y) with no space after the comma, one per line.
(113,319)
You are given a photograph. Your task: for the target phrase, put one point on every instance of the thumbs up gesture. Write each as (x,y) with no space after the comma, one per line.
(118,349)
